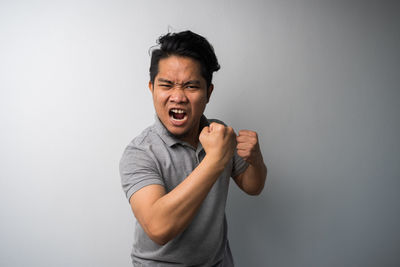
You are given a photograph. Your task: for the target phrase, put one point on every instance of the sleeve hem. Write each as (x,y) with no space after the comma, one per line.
(140,185)
(240,169)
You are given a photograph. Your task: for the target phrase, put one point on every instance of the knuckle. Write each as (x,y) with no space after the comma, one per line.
(217,126)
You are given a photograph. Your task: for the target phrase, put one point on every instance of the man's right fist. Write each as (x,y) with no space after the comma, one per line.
(219,142)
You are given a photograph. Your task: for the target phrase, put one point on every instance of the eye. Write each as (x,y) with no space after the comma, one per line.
(165,85)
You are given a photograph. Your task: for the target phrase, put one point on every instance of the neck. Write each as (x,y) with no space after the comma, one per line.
(192,138)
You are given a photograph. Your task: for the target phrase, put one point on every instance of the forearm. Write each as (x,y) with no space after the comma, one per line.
(252,180)
(172,213)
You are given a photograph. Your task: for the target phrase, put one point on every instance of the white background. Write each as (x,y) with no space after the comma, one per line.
(318,80)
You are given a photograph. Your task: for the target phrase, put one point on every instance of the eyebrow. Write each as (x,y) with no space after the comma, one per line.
(162,80)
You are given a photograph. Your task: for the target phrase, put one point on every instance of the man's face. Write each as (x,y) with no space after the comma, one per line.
(180,95)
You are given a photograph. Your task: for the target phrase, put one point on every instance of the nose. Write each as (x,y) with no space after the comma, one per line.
(178,96)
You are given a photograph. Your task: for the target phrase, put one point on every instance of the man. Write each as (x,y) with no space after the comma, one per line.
(176,173)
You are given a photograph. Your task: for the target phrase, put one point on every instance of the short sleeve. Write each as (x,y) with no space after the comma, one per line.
(138,169)
(239,165)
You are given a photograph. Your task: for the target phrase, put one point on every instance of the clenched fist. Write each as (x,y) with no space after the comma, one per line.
(248,147)
(219,142)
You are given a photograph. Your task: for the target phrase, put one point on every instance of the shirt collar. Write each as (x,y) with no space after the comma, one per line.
(171,139)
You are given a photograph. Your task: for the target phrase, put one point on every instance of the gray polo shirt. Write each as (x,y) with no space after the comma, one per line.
(158,157)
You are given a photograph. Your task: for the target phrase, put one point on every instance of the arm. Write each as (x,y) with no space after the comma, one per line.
(163,216)
(252,180)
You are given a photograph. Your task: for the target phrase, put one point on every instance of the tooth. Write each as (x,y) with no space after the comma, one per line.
(177,110)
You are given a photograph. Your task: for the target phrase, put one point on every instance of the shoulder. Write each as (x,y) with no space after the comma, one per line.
(147,138)
(139,148)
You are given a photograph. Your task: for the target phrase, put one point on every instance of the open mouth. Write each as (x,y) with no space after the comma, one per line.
(177,114)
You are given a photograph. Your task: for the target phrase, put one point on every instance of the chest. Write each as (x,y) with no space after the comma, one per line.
(178,162)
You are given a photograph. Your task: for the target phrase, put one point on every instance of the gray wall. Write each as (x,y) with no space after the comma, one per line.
(318,80)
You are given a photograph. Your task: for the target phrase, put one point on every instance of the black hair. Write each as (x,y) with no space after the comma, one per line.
(185,44)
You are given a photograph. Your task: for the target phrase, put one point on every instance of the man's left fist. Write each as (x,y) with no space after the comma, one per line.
(248,147)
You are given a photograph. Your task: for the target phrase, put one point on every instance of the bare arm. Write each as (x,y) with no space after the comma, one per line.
(252,180)
(163,216)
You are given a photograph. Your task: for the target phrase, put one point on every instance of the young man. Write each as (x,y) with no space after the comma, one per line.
(176,173)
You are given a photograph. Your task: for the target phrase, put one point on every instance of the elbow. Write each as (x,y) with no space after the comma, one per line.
(255,192)
(161,235)
(159,240)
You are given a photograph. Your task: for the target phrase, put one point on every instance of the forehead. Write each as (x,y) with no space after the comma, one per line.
(177,68)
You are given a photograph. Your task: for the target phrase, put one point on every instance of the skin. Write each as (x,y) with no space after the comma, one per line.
(179,84)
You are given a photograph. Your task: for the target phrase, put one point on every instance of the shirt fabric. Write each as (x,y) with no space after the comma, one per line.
(158,157)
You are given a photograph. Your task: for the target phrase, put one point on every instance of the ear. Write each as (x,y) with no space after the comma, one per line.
(151,86)
(209,92)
